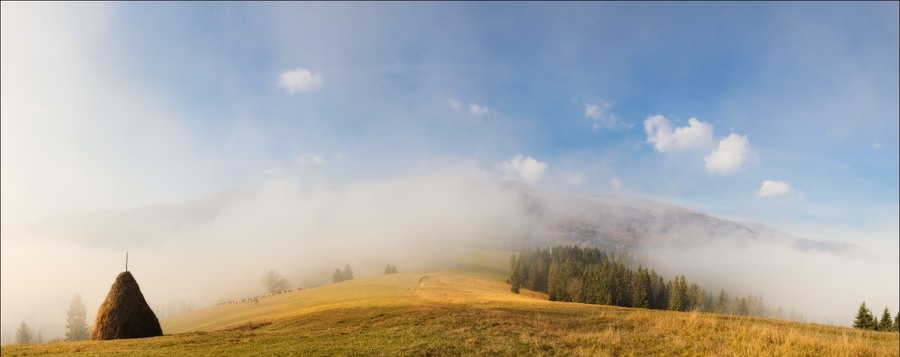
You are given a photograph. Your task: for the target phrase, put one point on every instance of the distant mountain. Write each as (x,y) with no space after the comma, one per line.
(619,223)
(613,223)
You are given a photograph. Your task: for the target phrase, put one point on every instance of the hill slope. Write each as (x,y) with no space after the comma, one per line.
(465,312)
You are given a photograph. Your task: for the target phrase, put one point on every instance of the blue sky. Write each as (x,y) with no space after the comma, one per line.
(117,105)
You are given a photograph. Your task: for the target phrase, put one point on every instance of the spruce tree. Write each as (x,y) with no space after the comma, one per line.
(722,303)
(591,284)
(337,277)
(897,322)
(641,289)
(556,283)
(886,324)
(662,297)
(678,294)
(518,276)
(24,335)
(76,320)
(390,269)
(348,273)
(742,308)
(864,318)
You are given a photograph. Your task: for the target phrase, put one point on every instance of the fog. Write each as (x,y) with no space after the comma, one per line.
(822,287)
(302,232)
(414,222)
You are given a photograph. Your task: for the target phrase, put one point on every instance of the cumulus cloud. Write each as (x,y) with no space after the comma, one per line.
(602,117)
(774,188)
(479,110)
(300,80)
(455,104)
(526,168)
(659,133)
(729,156)
(310,159)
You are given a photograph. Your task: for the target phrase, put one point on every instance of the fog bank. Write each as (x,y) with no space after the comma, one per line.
(302,232)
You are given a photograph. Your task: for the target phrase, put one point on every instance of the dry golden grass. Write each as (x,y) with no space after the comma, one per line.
(467,313)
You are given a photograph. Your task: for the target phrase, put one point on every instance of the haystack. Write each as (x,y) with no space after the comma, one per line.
(125,313)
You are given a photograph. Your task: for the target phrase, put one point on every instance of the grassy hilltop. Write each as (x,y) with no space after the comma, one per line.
(464,311)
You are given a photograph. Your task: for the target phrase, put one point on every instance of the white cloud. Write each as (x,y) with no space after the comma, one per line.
(774,189)
(299,80)
(592,111)
(455,104)
(310,159)
(479,110)
(615,183)
(876,145)
(659,132)
(601,115)
(729,156)
(526,168)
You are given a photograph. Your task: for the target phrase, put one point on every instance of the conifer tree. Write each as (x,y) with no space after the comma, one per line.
(348,273)
(337,277)
(678,294)
(885,324)
(641,289)
(622,284)
(742,308)
(537,275)
(722,302)
(864,318)
(662,297)
(897,322)
(695,296)
(76,321)
(390,269)
(518,276)
(24,335)
(591,284)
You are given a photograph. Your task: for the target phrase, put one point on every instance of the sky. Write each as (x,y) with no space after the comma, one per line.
(779,113)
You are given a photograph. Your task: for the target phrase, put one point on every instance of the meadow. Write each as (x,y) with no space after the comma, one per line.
(466,310)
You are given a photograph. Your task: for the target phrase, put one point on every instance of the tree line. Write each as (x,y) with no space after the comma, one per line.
(592,276)
(865,320)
